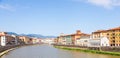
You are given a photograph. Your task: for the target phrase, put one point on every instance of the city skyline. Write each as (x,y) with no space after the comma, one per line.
(52,17)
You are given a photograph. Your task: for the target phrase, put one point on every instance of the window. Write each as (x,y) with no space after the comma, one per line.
(116,44)
(113,41)
(106,45)
(85,41)
(113,31)
(113,37)
(102,44)
(111,45)
(113,34)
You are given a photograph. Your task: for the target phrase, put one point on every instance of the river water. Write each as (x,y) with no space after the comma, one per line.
(48,51)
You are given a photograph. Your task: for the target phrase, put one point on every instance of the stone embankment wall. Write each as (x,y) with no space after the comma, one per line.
(111,49)
(6,49)
(3,48)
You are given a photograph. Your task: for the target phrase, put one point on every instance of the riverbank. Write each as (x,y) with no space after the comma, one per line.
(4,50)
(87,50)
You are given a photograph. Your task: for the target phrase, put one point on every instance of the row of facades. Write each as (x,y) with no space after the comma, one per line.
(110,37)
(7,39)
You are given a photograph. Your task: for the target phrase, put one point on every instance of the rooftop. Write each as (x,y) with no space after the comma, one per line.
(117,28)
(99,31)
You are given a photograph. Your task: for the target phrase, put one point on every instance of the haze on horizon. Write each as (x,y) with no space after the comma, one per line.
(52,17)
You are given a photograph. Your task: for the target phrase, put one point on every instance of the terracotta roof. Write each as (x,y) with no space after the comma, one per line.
(117,28)
(98,31)
(80,34)
(76,34)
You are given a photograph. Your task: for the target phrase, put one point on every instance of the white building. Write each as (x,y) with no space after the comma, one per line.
(36,40)
(99,42)
(48,41)
(83,41)
(3,40)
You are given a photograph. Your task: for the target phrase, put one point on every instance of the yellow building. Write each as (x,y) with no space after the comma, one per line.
(99,33)
(114,36)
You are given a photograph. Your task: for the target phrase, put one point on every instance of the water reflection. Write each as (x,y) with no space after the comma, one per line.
(48,51)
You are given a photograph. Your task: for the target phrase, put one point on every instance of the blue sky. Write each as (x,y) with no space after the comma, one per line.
(52,17)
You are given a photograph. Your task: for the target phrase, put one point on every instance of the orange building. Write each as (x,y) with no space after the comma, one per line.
(76,36)
(25,39)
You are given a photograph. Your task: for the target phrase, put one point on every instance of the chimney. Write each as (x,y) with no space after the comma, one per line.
(78,32)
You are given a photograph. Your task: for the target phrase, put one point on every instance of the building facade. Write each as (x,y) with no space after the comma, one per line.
(6,39)
(114,36)
(25,39)
(99,33)
(70,39)
(83,41)
(99,42)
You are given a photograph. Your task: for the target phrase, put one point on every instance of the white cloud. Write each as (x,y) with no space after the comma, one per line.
(105,3)
(7,7)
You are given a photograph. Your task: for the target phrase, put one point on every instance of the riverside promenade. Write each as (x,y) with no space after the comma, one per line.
(98,50)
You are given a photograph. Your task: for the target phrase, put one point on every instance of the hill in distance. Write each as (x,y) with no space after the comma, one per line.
(31,35)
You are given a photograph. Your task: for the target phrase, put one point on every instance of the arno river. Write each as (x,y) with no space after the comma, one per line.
(48,51)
